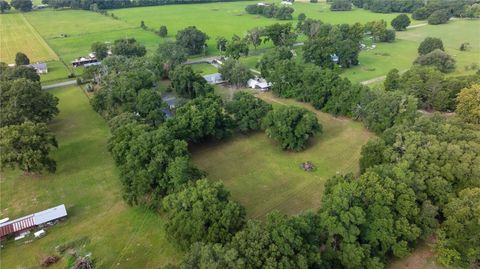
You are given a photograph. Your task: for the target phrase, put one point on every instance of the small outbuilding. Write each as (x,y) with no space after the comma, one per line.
(41,68)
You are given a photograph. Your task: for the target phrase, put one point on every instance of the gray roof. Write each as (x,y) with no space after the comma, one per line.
(213,77)
(50,214)
(39,66)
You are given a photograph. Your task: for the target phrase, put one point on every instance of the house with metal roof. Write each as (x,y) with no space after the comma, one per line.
(41,68)
(259,84)
(215,78)
(32,221)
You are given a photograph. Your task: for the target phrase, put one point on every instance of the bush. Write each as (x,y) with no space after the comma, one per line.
(341,5)
(440,16)
(387,36)
(438,58)
(430,44)
(401,22)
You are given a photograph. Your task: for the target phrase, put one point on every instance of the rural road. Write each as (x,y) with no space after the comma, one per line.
(58,85)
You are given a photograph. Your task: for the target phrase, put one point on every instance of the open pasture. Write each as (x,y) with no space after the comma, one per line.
(262,177)
(401,53)
(16,34)
(87,182)
(71,32)
(229,18)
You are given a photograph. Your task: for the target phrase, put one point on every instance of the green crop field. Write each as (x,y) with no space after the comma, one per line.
(87,182)
(262,177)
(16,34)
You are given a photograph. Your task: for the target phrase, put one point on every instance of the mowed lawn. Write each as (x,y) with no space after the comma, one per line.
(401,53)
(16,34)
(72,32)
(262,177)
(87,182)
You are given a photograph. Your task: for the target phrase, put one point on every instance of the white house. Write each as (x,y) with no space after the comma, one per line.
(259,84)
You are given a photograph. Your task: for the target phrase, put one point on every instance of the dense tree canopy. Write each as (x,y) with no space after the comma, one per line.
(247,111)
(401,22)
(4,6)
(100,49)
(22,5)
(439,17)
(235,72)
(192,39)
(291,126)
(236,47)
(280,34)
(271,58)
(152,163)
(26,146)
(188,84)
(281,12)
(12,73)
(430,44)
(23,100)
(202,213)
(460,233)
(468,104)
(168,56)
(200,118)
(128,47)
(21,59)
(341,5)
(438,58)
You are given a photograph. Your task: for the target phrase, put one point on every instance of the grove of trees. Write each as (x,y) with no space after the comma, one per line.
(291,126)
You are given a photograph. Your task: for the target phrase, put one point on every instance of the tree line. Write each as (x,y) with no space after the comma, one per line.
(281,12)
(25,140)
(407,189)
(115,4)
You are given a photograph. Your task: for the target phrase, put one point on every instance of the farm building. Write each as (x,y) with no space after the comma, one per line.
(83,61)
(259,84)
(215,78)
(41,68)
(31,221)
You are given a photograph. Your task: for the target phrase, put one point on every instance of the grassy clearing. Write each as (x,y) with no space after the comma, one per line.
(263,178)
(18,35)
(204,69)
(87,182)
(401,53)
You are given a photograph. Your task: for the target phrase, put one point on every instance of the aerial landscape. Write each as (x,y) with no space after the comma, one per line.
(240,134)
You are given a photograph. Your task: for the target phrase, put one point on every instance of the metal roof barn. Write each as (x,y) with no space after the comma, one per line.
(32,220)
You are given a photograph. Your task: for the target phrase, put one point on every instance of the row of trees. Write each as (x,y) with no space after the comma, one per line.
(25,141)
(281,12)
(405,193)
(114,4)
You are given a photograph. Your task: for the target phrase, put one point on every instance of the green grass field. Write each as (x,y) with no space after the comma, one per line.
(401,53)
(16,34)
(82,28)
(87,182)
(262,177)
(229,18)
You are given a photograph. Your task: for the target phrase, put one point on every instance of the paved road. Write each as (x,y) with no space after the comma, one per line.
(58,85)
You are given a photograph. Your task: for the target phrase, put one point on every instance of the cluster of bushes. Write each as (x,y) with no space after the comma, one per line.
(271,11)
(26,109)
